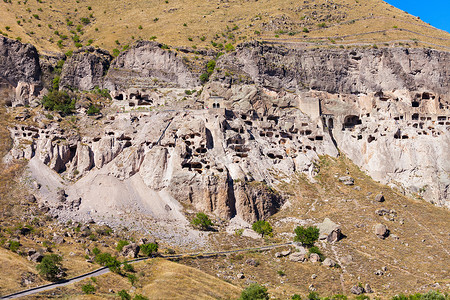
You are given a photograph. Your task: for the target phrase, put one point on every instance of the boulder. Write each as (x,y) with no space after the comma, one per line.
(283,253)
(252,262)
(58,240)
(131,250)
(328,262)
(27,278)
(347,259)
(297,257)
(347,180)
(357,290)
(36,257)
(379,198)
(368,289)
(381,231)
(30,198)
(330,231)
(314,257)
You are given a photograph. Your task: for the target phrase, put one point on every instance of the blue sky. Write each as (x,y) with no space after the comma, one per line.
(435,12)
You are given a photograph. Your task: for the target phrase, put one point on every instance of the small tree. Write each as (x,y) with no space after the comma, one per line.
(306,236)
(88,288)
(106,259)
(50,267)
(124,295)
(93,110)
(128,268)
(121,244)
(262,227)
(202,221)
(254,292)
(149,249)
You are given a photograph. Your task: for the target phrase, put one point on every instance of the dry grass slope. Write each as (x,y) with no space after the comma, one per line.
(157,279)
(63,25)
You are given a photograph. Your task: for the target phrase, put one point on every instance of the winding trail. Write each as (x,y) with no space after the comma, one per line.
(104,270)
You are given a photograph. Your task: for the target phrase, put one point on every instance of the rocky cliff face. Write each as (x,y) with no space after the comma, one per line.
(147,65)
(338,71)
(19,72)
(85,69)
(266,114)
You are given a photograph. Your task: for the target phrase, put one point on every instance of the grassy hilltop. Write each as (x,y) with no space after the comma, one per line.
(64,25)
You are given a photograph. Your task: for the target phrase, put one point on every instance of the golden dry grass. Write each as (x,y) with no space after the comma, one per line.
(157,279)
(114,24)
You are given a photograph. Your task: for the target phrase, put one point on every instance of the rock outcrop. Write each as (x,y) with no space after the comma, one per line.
(19,72)
(85,69)
(146,65)
(267,113)
(337,71)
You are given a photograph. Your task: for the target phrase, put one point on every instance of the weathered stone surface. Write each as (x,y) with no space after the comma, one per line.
(330,231)
(368,289)
(314,257)
(19,72)
(379,198)
(36,257)
(148,61)
(58,240)
(357,290)
(329,70)
(85,69)
(347,180)
(297,257)
(131,250)
(381,231)
(283,253)
(328,262)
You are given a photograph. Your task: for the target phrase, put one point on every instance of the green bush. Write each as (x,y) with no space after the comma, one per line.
(296,297)
(121,244)
(140,297)
(85,21)
(92,110)
(254,292)
(96,251)
(229,47)
(338,297)
(128,268)
(107,260)
(88,289)
(313,296)
(262,227)
(204,77)
(59,101)
(124,295)
(55,82)
(132,278)
(116,52)
(149,249)
(431,295)
(14,246)
(306,236)
(50,267)
(202,221)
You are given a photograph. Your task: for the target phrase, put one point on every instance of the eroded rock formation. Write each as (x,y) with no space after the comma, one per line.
(267,113)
